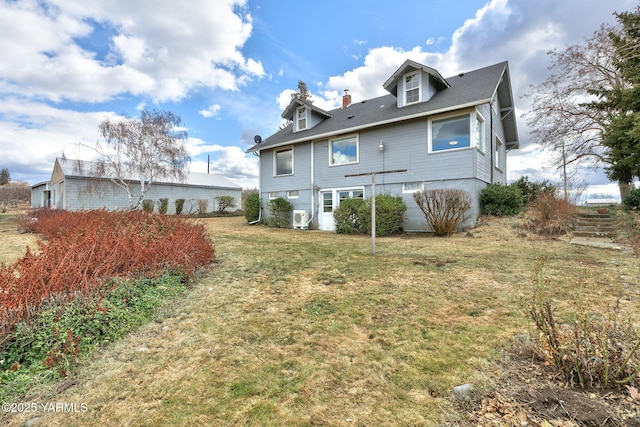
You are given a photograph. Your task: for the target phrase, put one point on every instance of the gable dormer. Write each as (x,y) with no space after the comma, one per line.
(304,114)
(413,83)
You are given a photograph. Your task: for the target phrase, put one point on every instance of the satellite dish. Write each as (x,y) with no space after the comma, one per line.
(257,139)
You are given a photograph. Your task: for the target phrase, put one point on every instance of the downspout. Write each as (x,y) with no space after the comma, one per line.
(313,211)
(491,138)
(257,153)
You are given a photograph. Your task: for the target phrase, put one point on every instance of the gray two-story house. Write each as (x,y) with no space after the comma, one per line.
(446,133)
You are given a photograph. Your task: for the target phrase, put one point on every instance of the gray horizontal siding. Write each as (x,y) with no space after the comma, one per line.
(81,194)
(405,147)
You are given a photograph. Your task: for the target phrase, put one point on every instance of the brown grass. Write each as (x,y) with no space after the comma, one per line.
(12,243)
(307,328)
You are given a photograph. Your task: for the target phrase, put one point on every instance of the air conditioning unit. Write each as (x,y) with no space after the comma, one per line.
(300,219)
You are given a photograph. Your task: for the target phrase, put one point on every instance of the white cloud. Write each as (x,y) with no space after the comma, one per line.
(149,54)
(232,162)
(33,134)
(518,31)
(211,111)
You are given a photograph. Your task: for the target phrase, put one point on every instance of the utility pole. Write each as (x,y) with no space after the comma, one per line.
(373,201)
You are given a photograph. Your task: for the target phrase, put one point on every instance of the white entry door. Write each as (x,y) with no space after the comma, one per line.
(330,200)
(326,211)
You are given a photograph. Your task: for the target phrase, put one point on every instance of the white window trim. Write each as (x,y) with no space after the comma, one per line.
(357,138)
(275,161)
(405,90)
(306,118)
(450,116)
(406,190)
(479,117)
(273,195)
(289,196)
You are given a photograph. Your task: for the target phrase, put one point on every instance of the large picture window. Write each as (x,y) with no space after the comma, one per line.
(343,150)
(284,161)
(450,133)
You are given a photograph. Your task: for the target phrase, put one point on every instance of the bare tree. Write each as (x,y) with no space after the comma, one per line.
(13,194)
(561,117)
(142,151)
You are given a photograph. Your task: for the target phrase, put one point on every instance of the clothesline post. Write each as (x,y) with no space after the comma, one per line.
(373,201)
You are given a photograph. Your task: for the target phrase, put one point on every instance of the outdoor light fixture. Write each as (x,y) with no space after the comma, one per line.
(381,146)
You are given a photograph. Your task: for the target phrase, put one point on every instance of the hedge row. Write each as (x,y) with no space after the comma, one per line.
(84,250)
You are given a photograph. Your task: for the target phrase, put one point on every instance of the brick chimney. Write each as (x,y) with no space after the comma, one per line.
(346,99)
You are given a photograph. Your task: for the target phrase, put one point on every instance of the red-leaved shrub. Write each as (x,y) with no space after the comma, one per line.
(84,250)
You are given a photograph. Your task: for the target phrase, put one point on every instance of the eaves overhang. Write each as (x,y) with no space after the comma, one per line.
(342,131)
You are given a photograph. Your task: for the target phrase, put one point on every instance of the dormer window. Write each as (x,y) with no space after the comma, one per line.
(412,88)
(301,118)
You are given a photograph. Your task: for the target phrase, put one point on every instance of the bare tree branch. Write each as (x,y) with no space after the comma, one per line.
(145,150)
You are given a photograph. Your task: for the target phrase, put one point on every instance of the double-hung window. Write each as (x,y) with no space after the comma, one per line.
(301,118)
(343,150)
(283,162)
(412,88)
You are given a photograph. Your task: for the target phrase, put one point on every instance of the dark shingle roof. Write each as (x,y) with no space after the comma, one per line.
(465,90)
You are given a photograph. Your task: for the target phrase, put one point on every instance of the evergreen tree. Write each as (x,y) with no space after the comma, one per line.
(622,135)
(5,176)
(303,93)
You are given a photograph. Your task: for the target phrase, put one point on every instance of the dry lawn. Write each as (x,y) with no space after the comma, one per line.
(12,243)
(294,328)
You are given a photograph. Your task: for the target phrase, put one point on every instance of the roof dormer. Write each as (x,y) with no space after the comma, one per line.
(304,114)
(413,83)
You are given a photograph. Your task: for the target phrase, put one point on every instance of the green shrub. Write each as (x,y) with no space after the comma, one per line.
(252,207)
(147,205)
(632,201)
(179,206)
(279,212)
(348,216)
(354,215)
(499,199)
(531,190)
(225,202)
(163,207)
(389,214)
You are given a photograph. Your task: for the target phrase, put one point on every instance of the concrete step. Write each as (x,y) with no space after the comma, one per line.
(594,224)
(596,219)
(582,233)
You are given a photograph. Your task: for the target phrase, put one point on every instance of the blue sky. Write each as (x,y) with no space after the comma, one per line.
(228,67)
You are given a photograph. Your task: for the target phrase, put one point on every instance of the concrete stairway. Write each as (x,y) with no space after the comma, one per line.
(593,224)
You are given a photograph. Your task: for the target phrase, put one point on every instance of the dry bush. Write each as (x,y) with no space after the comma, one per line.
(591,351)
(203,205)
(444,209)
(550,215)
(86,249)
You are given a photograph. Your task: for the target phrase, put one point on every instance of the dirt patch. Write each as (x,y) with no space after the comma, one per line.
(530,394)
